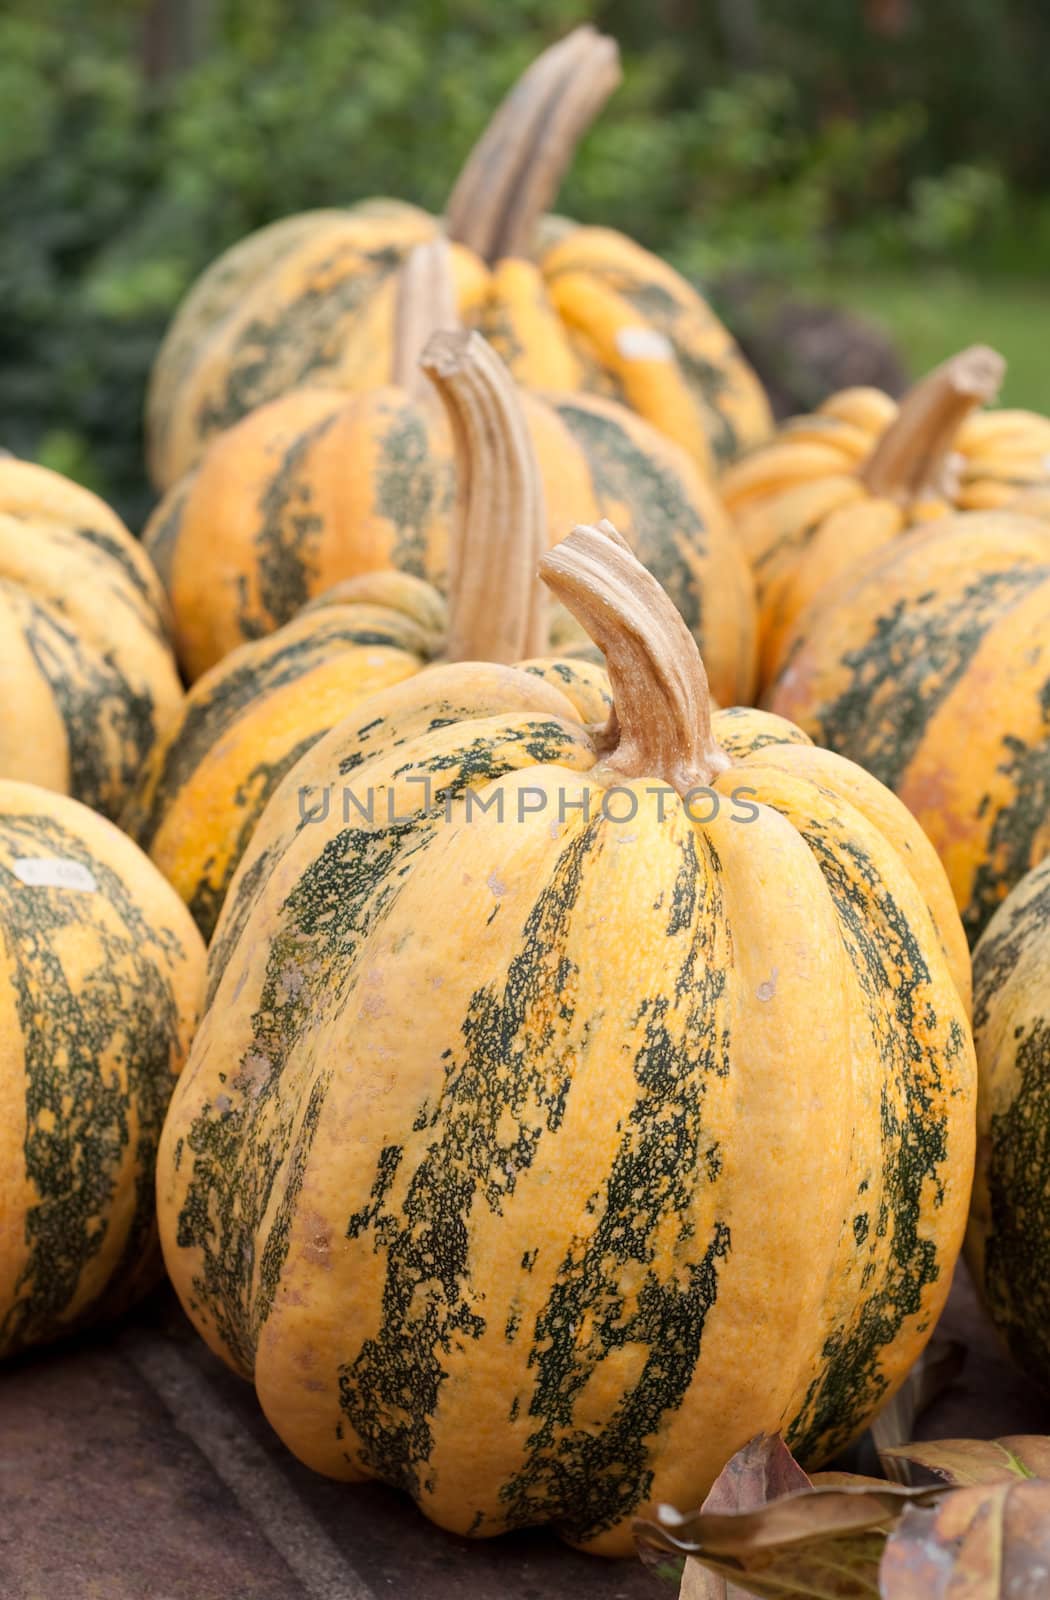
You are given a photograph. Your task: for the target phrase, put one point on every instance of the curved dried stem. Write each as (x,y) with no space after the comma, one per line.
(915,455)
(426,304)
(497,606)
(660,725)
(514,172)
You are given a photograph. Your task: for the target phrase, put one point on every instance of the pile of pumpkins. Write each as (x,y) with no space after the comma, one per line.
(581,1075)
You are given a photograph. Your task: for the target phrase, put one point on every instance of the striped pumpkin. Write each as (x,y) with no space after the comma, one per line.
(573,1102)
(85,658)
(854,476)
(1008,1243)
(251,717)
(930,666)
(310,299)
(101,980)
(320,486)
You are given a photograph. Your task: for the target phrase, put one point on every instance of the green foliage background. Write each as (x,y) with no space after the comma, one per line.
(811,145)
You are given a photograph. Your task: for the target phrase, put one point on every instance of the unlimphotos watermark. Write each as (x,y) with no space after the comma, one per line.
(615,803)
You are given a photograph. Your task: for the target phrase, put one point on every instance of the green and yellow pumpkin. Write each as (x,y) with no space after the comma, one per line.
(101,982)
(929,664)
(862,470)
(573,1102)
(85,657)
(310,299)
(254,714)
(1008,1242)
(320,486)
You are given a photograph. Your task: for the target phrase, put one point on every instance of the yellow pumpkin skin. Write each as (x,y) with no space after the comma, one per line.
(311,300)
(528,1258)
(318,487)
(1008,1241)
(245,723)
(805,515)
(85,657)
(100,990)
(251,717)
(930,666)
(254,714)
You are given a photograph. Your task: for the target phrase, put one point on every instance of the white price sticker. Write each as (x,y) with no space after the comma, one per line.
(54,872)
(644,344)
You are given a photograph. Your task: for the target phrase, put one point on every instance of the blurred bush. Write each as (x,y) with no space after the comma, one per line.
(140,140)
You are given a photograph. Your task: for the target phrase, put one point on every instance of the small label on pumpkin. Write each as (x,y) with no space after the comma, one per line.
(644,344)
(54,872)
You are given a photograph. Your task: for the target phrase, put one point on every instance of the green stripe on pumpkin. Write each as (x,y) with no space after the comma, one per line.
(75,1034)
(912,658)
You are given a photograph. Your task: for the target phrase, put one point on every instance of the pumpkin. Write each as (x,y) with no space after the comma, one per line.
(1008,1242)
(929,665)
(101,980)
(321,486)
(573,1102)
(85,659)
(250,718)
(310,299)
(862,470)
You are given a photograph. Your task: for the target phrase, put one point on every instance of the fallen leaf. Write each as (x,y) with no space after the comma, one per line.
(844,1568)
(824,1541)
(763,1470)
(964,1463)
(846,1480)
(989,1542)
(936,1370)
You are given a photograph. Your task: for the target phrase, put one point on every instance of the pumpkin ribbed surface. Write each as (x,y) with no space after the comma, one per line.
(311,299)
(318,487)
(1008,1242)
(862,470)
(320,309)
(250,718)
(930,666)
(479,1167)
(102,979)
(84,650)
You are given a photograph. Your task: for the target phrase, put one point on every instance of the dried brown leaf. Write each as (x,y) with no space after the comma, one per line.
(843,1568)
(989,1542)
(821,1543)
(763,1470)
(964,1463)
(846,1480)
(936,1369)
(817,1513)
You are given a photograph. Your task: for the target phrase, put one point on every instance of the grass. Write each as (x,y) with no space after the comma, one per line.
(931,315)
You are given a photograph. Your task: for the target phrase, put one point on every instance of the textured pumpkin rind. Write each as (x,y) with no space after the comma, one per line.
(706,397)
(272,517)
(311,300)
(84,641)
(805,517)
(1008,1241)
(284,308)
(930,666)
(591,1024)
(241,728)
(100,996)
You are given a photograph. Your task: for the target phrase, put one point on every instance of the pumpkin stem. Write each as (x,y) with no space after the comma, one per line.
(914,455)
(516,168)
(426,304)
(660,724)
(497,606)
